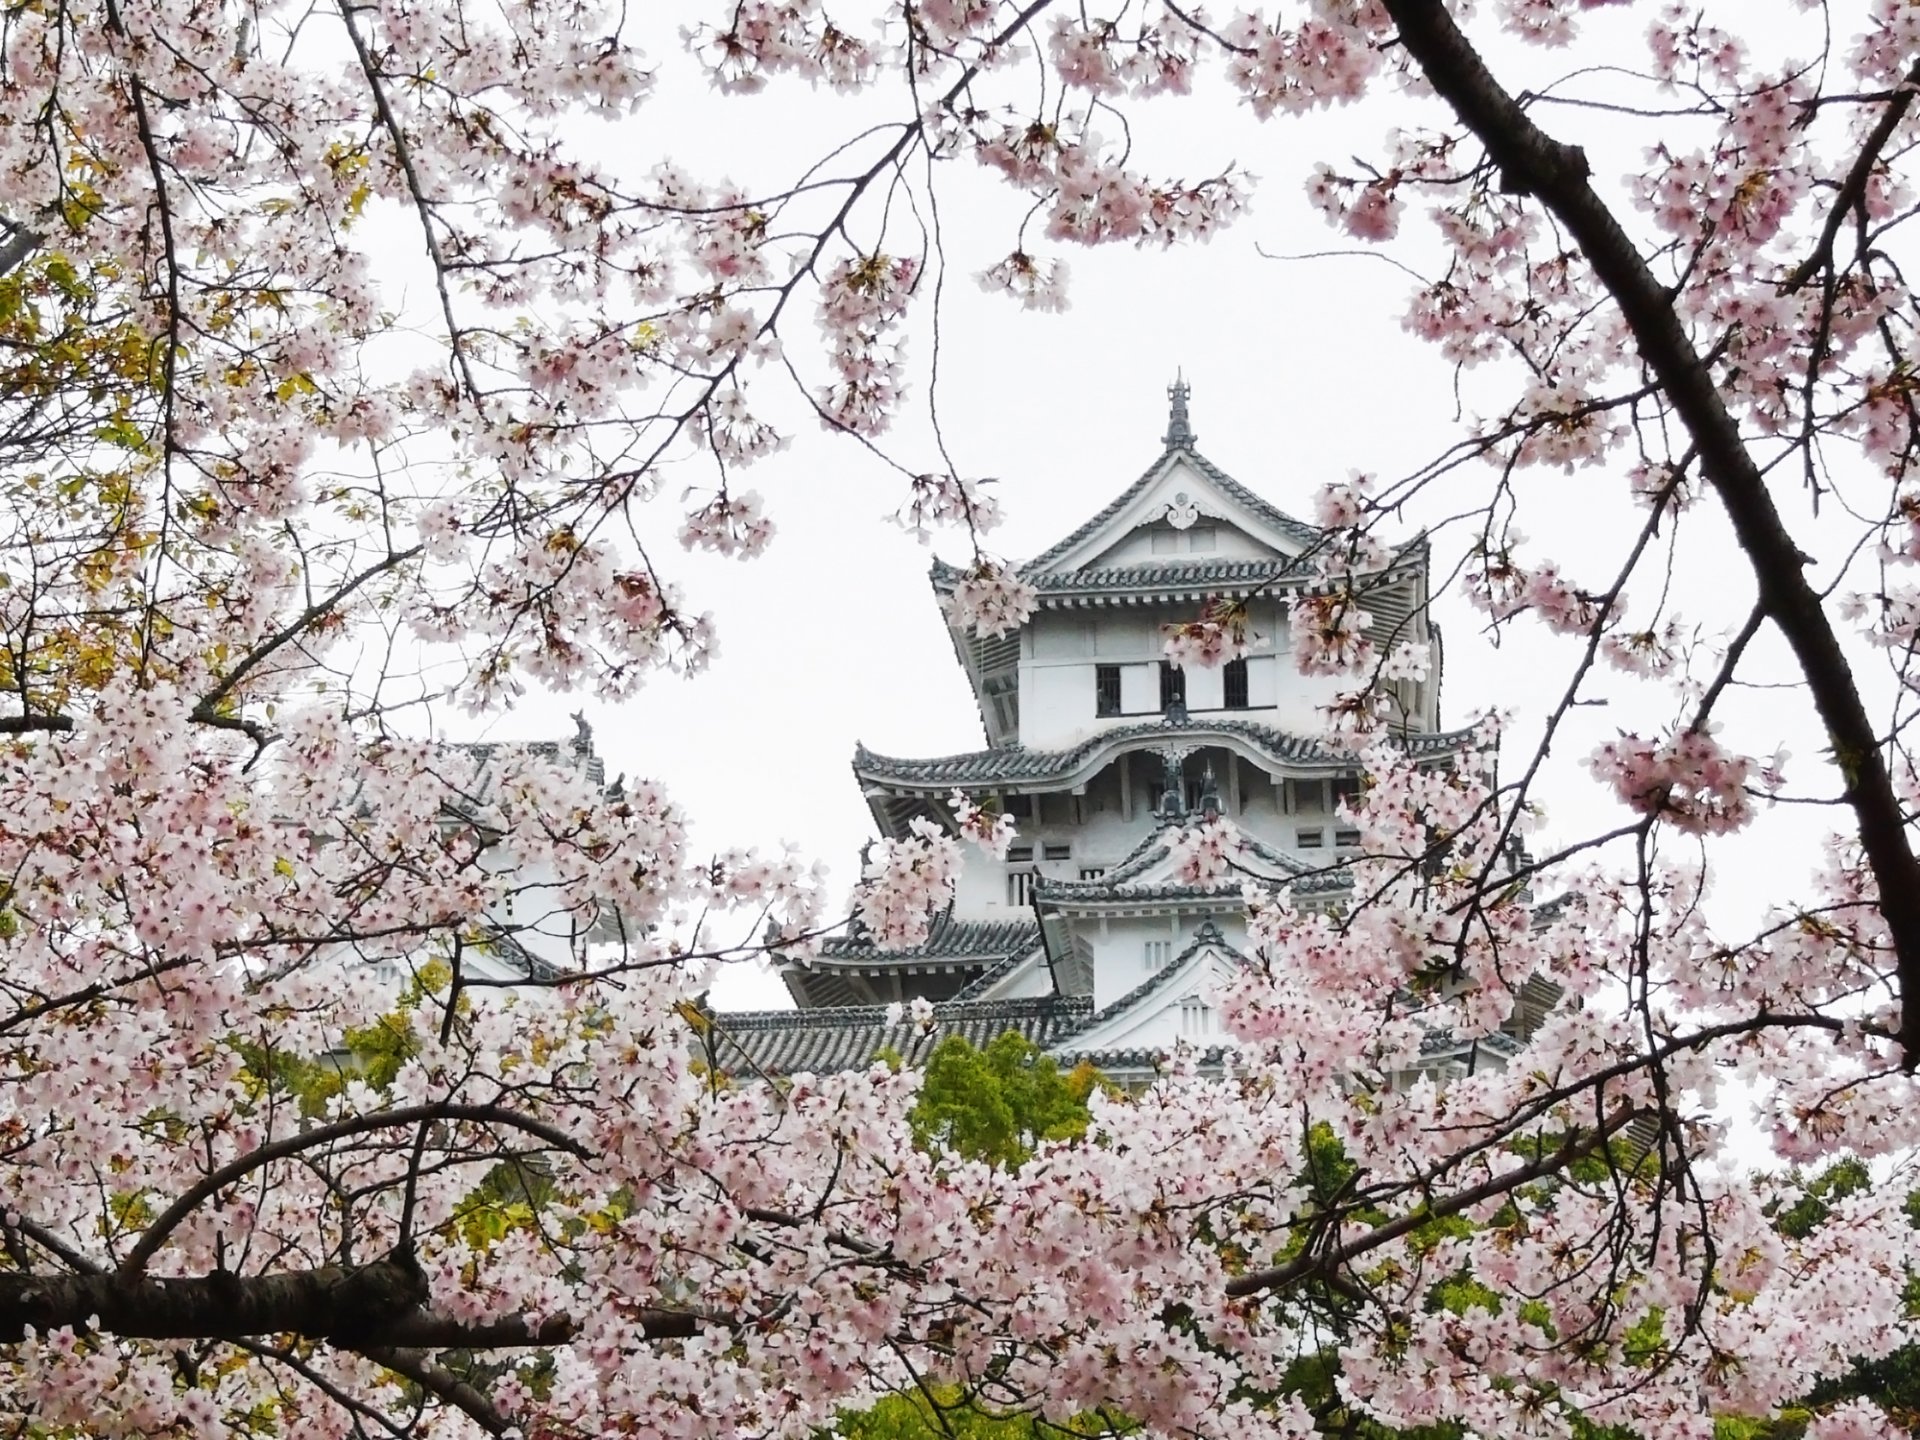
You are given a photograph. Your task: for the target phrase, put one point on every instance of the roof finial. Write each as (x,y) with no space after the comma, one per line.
(1179,431)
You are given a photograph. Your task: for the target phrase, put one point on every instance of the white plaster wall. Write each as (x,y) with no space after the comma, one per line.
(1062,649)
(533,913)
(1056,703)
(1209,538)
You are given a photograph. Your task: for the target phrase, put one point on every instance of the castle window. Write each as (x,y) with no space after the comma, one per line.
(1106,690)
(1346,839)
(1056,852)
(1020,854)
(1020,807)
(1092,872)
(1312,839)
(1196,1017)
(1020,887)
(1233,676)
(1158,953)
(1347,787)
(1173,685)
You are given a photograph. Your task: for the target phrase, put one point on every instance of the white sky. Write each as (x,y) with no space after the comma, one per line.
(1300,372)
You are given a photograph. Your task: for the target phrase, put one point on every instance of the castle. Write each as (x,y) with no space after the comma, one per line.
(1084,938)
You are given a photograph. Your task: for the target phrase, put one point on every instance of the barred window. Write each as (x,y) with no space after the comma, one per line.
(1234,677)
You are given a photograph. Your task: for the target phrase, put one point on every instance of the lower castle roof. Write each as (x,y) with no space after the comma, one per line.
(787,1042)
(1016,764)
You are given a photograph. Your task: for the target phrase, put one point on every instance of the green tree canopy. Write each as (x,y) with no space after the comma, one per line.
(997,1104)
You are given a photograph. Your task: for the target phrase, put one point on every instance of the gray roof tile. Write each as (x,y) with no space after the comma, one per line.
(1017,763)
(948,938)
(786,1042)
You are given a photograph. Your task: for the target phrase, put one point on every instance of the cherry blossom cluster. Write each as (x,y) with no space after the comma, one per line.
(1220,633)
(1204,854)
(860,302)
(991,599)
(730,525)
(905,883)
(1329,634)
(940,500)
(1038,284)
(991,831)
(1689,780)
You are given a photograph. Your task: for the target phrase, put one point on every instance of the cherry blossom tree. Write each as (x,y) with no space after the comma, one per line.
(261,504)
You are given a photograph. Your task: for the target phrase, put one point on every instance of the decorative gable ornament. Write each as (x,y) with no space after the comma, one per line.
(1180,512)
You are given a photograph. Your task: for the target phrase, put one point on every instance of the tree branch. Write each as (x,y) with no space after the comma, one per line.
(1534,163)
(1853,189)
(169,1219)
(443,1384)
(1328,1263)
(366,1308)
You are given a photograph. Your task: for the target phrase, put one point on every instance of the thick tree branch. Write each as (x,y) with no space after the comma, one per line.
(27,724)
(20,242)
(366,1308)
(1534,163)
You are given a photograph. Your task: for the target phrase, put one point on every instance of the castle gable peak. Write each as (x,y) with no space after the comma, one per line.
(1182,509)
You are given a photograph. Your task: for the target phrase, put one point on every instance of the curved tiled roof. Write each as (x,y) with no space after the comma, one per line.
(785,1042)
(1065,892)
(1442,1041)
(947,938)
(1199,575)
(1149,853)
(1017,763)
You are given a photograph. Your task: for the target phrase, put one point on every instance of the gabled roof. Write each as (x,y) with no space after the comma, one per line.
(1179,442)
(1133,878)
(1152,851)
(977,988)
(1207,937)
(1016,764)
(1209,576)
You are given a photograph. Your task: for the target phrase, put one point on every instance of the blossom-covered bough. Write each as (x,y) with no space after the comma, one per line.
(265,495)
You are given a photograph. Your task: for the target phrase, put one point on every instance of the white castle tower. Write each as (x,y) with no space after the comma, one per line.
(1084,939)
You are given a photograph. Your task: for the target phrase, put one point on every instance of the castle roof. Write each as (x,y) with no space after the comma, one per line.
(847,1037)
(1018,766)
(1303,535)
(947,939)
